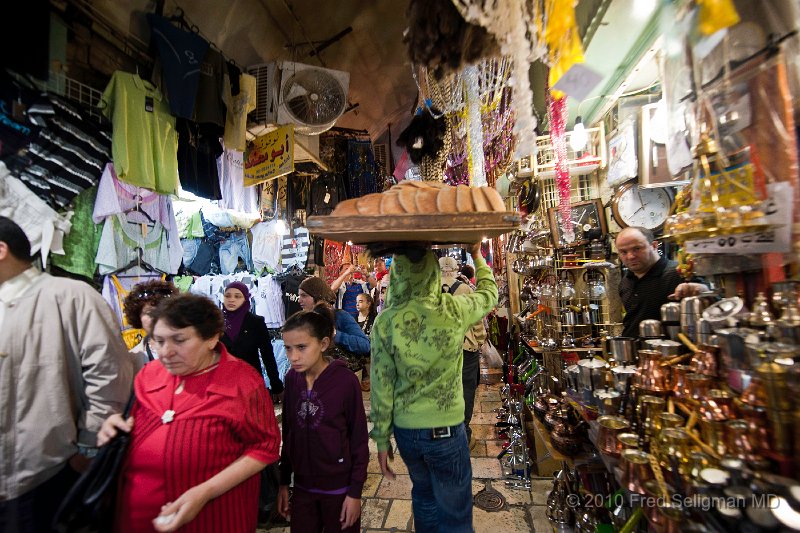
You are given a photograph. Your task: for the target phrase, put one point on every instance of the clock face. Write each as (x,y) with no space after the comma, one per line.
(647,208)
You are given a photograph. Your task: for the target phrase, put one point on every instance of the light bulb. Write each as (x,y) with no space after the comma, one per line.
(578,138)
(280,227)
(643,8)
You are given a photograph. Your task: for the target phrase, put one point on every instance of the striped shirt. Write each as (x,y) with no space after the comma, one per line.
(294,250)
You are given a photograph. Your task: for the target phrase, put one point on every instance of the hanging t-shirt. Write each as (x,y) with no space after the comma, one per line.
(294,250)
(290,285)
(181,53)
(15,128)
(114,196)
(325,194)
(44,227)
(198,150)
(209,106)
(66,155)
(80,244)
(145,143)
(231,183)
(266,247)
(238,106)
(268,298)
(121,239)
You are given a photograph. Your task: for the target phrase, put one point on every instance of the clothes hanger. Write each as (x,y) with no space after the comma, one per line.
(137,208)
(140,262)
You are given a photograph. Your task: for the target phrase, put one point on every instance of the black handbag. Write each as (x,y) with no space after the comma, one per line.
(89,505)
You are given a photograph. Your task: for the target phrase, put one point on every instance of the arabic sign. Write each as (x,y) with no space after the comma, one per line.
(269,156)
(778,210)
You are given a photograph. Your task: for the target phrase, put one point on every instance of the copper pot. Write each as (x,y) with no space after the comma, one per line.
(718,405)
(704,361)
(674,442)
(651,504)
(699,384)
(666,420)
(680,386)
(672,515)
(774,377)
(649,407)
(652,377)
(738,443)
(636,470)
(610,427)
(758,422)
(628,441)
(713,434)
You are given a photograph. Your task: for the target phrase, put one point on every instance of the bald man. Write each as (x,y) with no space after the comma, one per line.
(651,280)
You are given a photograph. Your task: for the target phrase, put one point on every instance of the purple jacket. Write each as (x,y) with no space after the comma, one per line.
(325,432)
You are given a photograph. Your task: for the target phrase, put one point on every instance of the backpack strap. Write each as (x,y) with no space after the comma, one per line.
(452,289)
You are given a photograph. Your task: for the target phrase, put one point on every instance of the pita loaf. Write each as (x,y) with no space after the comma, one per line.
(446,200)
(464,202)
(426,201)
(390,204)
(408,199)
(495,200)
(345,208)
(369,204)
(412,184)
(479,199)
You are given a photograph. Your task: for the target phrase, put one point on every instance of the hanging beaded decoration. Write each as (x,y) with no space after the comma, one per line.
(518,27)
(557,111)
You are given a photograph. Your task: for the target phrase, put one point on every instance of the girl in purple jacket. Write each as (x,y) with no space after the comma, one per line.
(324,431)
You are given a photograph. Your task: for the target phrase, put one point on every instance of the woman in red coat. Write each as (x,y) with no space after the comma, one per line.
(203,427)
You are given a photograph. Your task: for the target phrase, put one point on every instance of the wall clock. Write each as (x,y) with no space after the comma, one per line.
(648,207)
(588,222)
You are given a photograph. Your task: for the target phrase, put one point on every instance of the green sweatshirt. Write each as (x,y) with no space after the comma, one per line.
(417,347)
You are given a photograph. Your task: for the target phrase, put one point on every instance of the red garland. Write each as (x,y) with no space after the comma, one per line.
(557,109)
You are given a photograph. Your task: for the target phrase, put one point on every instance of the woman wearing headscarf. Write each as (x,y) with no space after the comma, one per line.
(246,335)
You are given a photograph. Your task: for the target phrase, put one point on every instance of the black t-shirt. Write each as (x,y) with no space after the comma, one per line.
(182,54)
(198,150)
(291,301)
(643,297)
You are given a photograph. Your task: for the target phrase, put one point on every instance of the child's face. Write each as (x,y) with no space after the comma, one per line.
(303,350)
(361,303)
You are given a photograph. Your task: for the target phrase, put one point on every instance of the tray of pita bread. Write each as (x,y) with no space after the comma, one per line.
(418,211)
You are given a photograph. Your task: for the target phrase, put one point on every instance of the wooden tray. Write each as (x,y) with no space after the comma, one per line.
(439,228)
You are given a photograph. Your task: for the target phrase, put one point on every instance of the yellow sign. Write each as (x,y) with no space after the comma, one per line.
(269,156)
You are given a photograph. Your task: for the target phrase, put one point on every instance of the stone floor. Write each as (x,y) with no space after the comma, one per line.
(386,504)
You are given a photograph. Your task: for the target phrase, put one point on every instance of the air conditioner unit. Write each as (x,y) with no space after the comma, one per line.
(311,98)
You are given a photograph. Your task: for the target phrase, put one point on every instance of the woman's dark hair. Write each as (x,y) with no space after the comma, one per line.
(144,294)
(468,271)
(318,322)
(193,310)
(16,240)
(371,301)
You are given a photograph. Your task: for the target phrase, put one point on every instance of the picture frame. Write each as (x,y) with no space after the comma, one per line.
(588,219)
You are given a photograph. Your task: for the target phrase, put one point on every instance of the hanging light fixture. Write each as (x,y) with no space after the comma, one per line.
(578,138)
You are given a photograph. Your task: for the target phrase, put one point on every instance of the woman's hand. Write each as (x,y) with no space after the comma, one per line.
(110,427)
(183,510)
(351,510)
(283,501)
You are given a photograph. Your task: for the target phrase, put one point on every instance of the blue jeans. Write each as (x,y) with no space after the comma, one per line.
(231,249)
(441,495)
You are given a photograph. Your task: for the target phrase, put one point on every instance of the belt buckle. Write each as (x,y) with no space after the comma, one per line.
(441,433)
